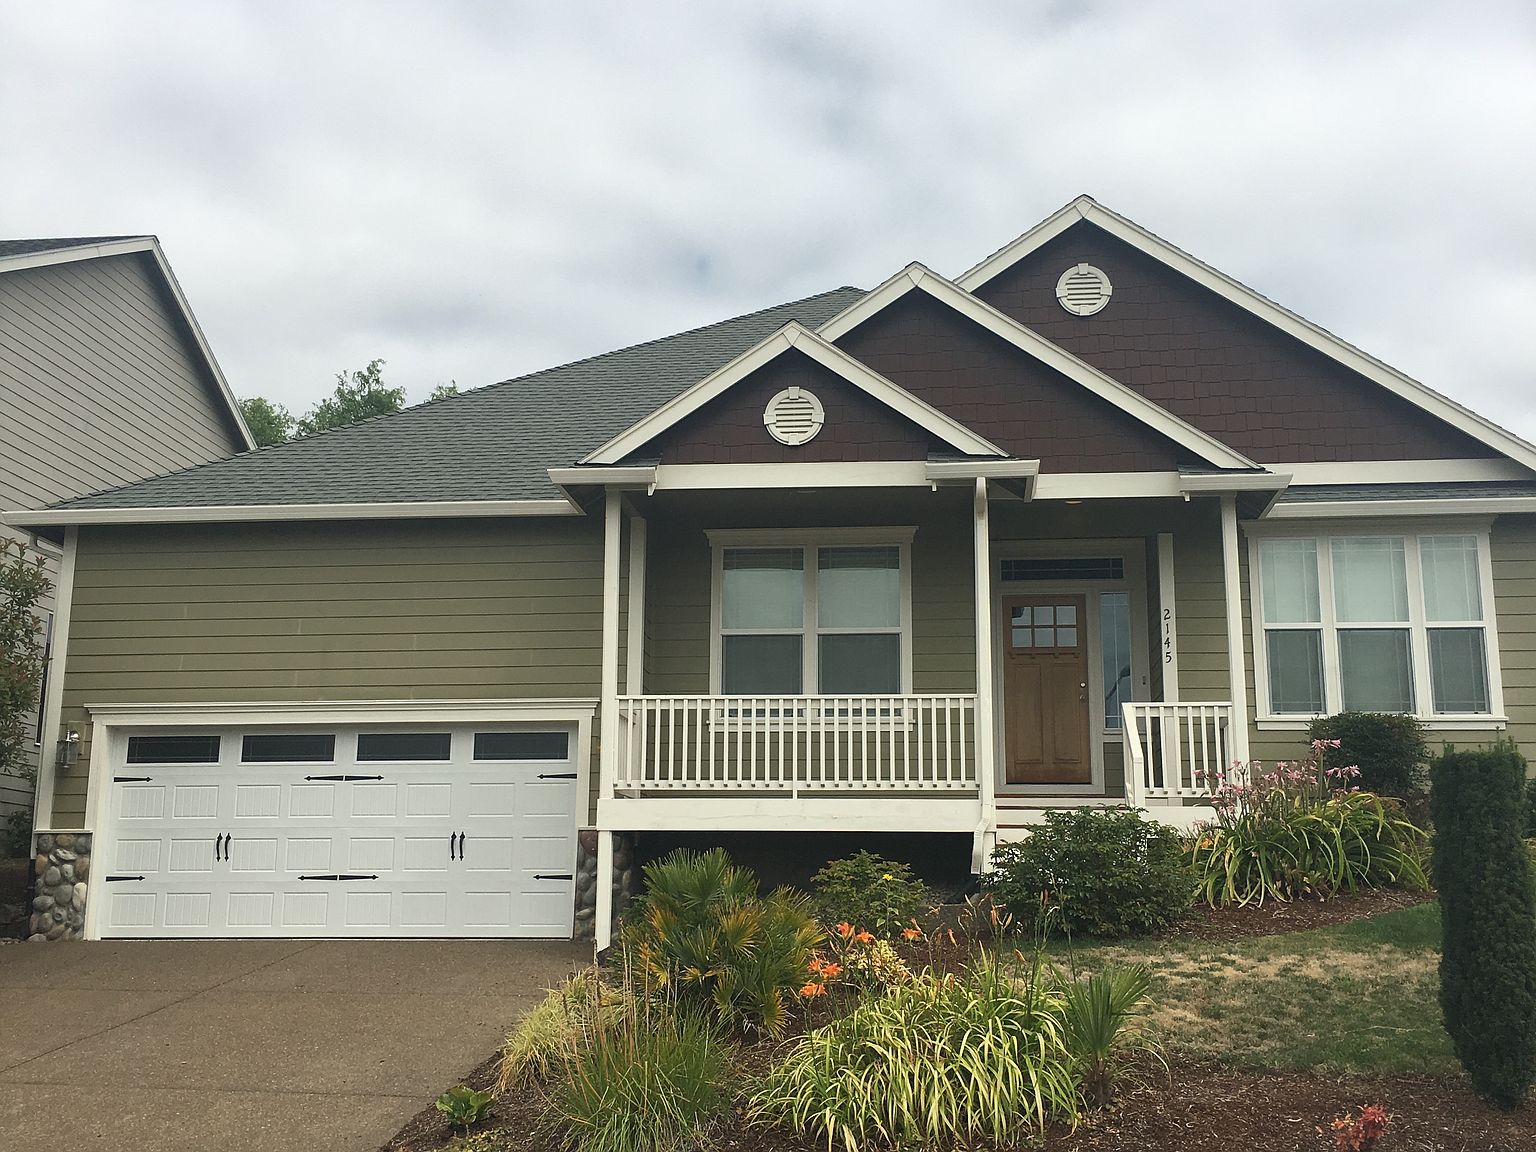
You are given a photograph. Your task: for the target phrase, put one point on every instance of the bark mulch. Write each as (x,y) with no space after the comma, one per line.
(1272,918)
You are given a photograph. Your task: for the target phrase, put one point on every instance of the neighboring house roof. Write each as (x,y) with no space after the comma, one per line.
(492,444)
(1086,209)
(1356,500)
(36,253)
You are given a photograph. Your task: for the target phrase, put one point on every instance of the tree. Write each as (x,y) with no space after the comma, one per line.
(23,584)
(443,391)
(269,423)
(357,397)
(1488,918)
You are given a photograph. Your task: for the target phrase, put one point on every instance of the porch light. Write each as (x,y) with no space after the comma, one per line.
(69,750)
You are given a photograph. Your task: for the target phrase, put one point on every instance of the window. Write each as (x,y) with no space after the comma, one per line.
(522,745)
(1374,624)
(812,617)
(1115,646)
(373,747)
(288,748)
(173,749)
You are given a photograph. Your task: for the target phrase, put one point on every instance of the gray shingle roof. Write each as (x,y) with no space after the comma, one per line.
(1475,490)
(32,247)
(495,443)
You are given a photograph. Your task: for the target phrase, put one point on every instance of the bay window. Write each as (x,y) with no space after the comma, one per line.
(811,615)
(1373,623)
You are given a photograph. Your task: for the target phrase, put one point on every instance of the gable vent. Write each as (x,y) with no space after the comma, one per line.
(794,416)
(1083,290)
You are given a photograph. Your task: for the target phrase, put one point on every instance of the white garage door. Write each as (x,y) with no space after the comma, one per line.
(340,832)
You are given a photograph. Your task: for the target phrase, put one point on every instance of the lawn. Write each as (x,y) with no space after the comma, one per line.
(1357,997)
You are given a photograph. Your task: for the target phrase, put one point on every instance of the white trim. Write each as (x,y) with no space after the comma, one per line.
(1355,509)
(241,513)
(856,813)
(1168,618)
(809,540)
(53,706)
(793,336)
(151,245)
(1102,385)
(608,709)
(632,475)
(634,645)
(602,928)
(1198,483)
(985,836)
(1416,625)
(1404,471)
(1232,582)
(1107,485)
(1087,209)
(727,477)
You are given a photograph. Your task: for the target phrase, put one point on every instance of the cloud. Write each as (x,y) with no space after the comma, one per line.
(476,190)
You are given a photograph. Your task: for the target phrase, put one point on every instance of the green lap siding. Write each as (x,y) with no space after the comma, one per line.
(388,610)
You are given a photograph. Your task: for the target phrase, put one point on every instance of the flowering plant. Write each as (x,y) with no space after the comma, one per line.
(1360,1133)
(858,959)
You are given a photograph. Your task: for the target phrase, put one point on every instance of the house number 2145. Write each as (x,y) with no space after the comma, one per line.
(1167,635)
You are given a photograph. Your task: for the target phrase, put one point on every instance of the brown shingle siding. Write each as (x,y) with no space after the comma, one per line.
(1215,365)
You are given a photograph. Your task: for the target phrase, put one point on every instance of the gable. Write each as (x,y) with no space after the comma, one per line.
(729,429)
(1024,406)
(1216,365)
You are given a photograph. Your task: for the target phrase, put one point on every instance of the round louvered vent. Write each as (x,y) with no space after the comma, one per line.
(793,416)
(1083,290)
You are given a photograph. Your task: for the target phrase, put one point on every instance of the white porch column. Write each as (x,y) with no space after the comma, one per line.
(986,735)
(1168,620)
(634,638)
(53,705)
(608,738)
(602,924)
(1237,672)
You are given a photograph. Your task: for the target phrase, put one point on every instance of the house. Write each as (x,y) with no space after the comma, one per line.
(1072,529)
(105,378)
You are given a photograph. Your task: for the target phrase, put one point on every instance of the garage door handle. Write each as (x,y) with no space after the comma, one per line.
(557,775)
(461,845)
(553,876)
(217,840)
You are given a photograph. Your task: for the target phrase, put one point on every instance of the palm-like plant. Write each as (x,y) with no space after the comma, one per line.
(1101,1025)
(702,933)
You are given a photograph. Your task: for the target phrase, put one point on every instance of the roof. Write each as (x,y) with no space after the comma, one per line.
(1332,493)
(457,448)
(57,244)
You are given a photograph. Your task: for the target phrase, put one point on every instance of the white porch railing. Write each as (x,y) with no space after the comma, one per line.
(795,744)
(1173,751)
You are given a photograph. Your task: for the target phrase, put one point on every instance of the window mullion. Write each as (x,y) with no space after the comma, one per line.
(1333,687)
(1418,641)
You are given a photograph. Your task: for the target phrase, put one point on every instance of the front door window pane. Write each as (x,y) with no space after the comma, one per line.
(1370,579)
(1452,587)
(762,588)
(1288,575)
(760,665)
(856,663)
(1115,639)
(1376,670)
(858,588)
(1458,669)
(1295,671)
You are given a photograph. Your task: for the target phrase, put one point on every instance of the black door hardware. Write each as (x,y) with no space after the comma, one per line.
(461,845)
(132,779)
(344,777)
(557,775)
(217,840)
(553,876)
(113,879)
(453,853)
(340,876)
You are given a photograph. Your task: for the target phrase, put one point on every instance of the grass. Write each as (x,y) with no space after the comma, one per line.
(1358,997)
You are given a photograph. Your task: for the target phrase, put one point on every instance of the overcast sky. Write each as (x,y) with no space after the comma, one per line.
(472,191)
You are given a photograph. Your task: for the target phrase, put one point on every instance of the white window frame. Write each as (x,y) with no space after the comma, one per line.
(1417,626)
(809,541)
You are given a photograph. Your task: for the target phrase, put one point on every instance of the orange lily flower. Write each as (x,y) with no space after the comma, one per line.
(844,929)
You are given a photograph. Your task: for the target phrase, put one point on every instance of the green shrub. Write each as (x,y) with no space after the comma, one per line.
(1101,1018)
(1530,809)
(702,934)
(17,838)
(1104,872)
(942,1062)
(656,1082)
(1299,830)
(463,1106)
(869,891)
(1387,747)
(1488,918)
(569,1015)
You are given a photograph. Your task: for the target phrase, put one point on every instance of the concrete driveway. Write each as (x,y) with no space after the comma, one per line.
(257,1044)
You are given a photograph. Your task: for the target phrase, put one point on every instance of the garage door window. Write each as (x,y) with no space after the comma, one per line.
(173,749)
(373,747)
(522,745)
(289,748)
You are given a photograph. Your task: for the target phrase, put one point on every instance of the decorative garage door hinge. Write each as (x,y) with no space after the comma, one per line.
(339,876)
(132,779)
(112,879)
(343,777)
(557,775)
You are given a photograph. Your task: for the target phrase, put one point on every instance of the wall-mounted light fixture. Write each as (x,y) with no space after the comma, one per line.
(69,750)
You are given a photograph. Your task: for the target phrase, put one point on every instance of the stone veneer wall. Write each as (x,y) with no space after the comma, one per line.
(586,879)
(63,864)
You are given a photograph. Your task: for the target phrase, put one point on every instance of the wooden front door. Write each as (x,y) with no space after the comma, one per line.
(1045,690)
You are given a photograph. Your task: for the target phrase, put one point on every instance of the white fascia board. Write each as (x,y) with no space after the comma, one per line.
(245,712)
(793,336)
(855,474)
(1107,485)
(1405,471)
(152,246)
(1106,387)
(240,513)
(939,470)
(1310,334)
(566,479)
(1352,509)
(1234,482)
